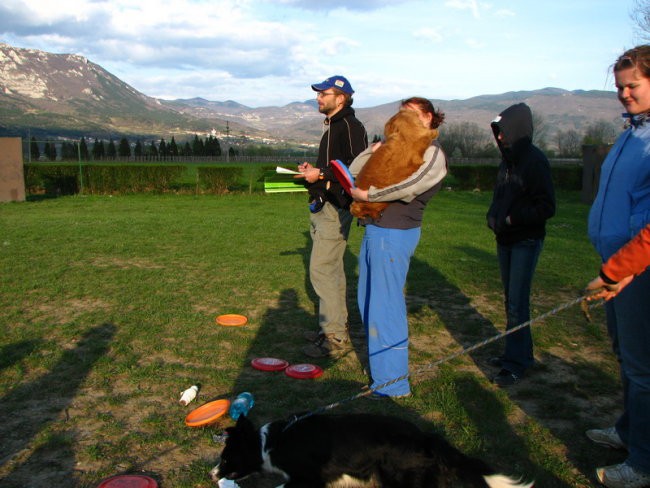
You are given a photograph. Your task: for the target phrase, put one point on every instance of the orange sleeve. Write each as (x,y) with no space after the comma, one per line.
(632,259)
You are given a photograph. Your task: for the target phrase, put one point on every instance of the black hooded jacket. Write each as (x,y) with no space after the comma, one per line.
(344,139)
(524,190)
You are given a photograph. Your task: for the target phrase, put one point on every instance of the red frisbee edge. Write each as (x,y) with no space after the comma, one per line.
(269,364)
(304,371)
(128,481)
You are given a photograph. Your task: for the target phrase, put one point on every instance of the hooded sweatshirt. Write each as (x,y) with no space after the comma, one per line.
(344,138)
(524,197)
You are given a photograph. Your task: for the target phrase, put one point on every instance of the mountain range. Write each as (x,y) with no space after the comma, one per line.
(66,95)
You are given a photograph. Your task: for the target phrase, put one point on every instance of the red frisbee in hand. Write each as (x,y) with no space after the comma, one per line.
(304,371)
(342,174)
(269,364)
(128,481)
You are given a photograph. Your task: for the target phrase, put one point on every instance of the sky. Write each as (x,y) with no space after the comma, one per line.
(269,52)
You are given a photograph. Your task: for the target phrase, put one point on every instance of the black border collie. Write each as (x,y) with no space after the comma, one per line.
(356,450)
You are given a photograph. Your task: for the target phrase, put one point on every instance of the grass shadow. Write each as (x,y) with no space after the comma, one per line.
(53,392)
(11,354)
(565,418)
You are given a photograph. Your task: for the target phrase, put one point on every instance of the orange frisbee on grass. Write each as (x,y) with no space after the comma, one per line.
(231,320)
(128,481)
(207,414)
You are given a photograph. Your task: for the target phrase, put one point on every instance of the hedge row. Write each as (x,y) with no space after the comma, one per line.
(62,179)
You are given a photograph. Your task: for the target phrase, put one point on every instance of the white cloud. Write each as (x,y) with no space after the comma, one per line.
(471,5)
(367,5)
(337,45)
(268,52)
(474,43)
(428,34)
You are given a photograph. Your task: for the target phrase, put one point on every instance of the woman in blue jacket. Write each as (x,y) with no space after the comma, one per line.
(620,211)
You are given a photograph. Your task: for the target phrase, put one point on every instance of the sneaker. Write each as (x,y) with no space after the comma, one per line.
(328,346)
(622,476)
(606,437)
(376,395)
(505,378)
(312,335)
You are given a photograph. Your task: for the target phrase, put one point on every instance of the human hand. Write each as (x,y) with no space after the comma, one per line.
(303,168)
(599,289)
(358,194)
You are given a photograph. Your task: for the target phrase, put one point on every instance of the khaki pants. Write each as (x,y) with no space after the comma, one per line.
(329,233)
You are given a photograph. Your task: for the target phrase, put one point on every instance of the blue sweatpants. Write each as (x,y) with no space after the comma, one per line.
(383,265)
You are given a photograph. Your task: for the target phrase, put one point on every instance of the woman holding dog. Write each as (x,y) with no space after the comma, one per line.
(386,249)
(620,211)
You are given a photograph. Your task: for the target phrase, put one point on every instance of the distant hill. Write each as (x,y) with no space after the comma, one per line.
(300,121)
(67,95)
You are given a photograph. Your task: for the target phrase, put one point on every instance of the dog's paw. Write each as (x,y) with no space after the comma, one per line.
(214,473)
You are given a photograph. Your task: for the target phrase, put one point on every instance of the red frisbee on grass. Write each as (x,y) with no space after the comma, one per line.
(342,174)
(231,320)
(304,371)
(128,481)
(269,364)
(207,413)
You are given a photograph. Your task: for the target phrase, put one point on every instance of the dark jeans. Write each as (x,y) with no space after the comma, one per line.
(517,264)
(628,319)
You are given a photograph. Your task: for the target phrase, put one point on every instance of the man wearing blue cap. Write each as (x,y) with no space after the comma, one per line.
(344,137)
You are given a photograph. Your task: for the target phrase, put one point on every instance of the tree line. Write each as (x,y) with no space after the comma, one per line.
(99,150)
(458,139)
(469,140)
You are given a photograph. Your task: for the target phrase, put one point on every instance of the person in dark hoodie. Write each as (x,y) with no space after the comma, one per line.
(344,138)
(523,200)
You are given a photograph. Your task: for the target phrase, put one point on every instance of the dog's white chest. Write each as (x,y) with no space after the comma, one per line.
(267,465)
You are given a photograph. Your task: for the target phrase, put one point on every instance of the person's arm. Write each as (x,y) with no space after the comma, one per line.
(632,259)
(430,173)
(619,270)
(360,161)
(541,202)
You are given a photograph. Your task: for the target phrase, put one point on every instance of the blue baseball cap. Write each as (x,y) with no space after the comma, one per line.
(335,81)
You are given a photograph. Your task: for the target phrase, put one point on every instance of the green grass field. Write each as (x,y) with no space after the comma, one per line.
(108,313)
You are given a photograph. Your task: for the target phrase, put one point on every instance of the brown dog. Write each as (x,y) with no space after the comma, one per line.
(395,160)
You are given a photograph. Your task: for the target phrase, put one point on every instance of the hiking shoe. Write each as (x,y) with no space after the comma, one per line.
(622,476)
(505,378)
(312,335)
(328,346)
(606,437)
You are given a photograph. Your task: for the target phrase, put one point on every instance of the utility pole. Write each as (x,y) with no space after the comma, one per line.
(227,142)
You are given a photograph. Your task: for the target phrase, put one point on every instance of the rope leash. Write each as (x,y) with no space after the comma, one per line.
(445,359)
